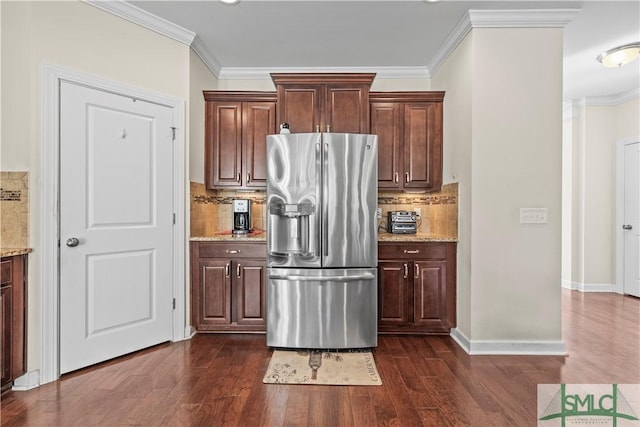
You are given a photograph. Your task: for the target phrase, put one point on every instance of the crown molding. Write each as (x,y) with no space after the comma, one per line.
(610,100)
(522,18)
(207,57)
(145,19)
(258,73)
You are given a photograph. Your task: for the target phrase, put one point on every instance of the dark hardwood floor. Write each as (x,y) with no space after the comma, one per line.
(216,380)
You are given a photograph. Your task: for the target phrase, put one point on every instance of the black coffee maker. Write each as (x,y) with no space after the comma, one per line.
(241,212)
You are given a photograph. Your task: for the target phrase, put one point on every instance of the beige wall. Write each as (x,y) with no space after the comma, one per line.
(591,134)
(79,37)
(455,78)
(506,153)
(200,78)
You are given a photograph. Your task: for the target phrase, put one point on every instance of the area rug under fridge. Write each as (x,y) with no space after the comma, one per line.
(322,367)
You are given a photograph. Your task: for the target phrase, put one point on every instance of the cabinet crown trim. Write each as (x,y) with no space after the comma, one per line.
(322,78)
(231,95)
(422,96)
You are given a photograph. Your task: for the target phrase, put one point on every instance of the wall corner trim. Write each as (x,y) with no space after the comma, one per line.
(509,347)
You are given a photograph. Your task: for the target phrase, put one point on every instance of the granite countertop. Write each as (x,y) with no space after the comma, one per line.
(226,235)
(383,236)
(14,251)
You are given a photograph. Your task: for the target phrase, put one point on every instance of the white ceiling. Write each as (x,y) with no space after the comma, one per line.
(407,37)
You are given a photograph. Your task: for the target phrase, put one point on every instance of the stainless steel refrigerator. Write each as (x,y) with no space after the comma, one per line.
(322,250)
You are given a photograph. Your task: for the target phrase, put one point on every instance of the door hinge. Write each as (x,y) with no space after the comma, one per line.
(173,304)
(173,133)
(174,219)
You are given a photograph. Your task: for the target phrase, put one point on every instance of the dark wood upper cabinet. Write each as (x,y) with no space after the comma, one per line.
(325,102)
(236,129)
(409,129)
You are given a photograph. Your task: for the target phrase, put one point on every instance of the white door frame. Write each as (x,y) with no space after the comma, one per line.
(50,193)
(621,143)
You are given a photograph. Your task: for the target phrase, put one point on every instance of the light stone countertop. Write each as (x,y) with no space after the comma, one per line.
(261,236)
(5,252)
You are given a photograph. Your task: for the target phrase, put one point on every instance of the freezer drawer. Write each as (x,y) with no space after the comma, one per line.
(328,309)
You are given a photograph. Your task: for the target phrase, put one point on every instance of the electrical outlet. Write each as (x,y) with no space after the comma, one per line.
(379,213)
(534,215)
(417,211)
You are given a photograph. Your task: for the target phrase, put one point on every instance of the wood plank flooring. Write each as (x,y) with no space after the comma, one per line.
(216,380)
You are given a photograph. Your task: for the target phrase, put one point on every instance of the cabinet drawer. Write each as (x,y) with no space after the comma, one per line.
(233,250)
(6,271)
(413,251)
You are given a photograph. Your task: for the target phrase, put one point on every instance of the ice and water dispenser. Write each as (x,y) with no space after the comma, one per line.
(290,228)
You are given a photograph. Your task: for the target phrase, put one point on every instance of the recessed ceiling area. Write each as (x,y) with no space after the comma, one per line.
(280,35)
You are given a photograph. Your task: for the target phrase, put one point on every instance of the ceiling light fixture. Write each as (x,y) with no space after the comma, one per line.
(230,1)
(618,56)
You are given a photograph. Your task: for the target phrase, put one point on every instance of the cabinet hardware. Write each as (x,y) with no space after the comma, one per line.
(627,227)
(406,177)
(417,270)
(406,270)
(238,177)
(317,128)
(238,270)
(396,178)
(248,177)
(226,270)
(415,251)
(233,251)
(328,128)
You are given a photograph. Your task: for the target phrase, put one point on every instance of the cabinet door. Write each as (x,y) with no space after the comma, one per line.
(430,301)
(394,293)
(386,122)
(250,292)
(215,293)
(300,106)
(5,335)
(223,150)
(423,145)
(346,108)
(258,121)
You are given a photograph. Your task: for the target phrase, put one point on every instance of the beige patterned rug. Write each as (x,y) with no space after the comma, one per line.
(325,368)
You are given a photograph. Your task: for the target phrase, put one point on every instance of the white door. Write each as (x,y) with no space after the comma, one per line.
(631,224)
(116,200)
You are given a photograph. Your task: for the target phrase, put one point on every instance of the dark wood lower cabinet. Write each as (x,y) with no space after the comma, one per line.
(13,306)
(417,287)
(228,282)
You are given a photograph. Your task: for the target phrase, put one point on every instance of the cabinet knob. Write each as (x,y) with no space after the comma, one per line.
(406,177)
(396,178)
(232,251)
(238,177)
(406,270)
(238,270)
(417,270)
(415,251)
(248,177)
(226,270)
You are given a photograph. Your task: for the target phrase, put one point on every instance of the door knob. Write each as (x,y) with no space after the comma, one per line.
(72,242)
(627,227)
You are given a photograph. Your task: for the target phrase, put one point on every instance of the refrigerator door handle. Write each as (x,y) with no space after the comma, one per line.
(325,207)
(354,278)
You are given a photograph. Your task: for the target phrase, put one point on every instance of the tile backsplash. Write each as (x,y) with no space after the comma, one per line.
(14,209)
(211,209)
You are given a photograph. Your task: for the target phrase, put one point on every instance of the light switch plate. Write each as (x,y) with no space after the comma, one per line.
(534,215)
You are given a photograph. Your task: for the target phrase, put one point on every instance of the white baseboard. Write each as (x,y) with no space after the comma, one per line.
(27,381)
(589,287)
(505,347)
